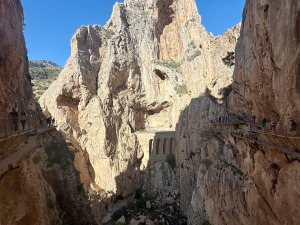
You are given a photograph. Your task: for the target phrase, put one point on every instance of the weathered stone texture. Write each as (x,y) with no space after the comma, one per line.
(135,73)
(15,88)
(231,180)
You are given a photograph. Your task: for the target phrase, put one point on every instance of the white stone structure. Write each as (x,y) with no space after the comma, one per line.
(156,145)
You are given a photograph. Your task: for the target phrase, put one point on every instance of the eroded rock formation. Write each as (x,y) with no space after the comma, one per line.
(15,88)
(237,176)
(134,74)
(38,188)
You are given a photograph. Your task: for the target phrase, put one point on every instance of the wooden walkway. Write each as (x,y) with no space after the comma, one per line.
(285,150)
(22,152)
(288,145)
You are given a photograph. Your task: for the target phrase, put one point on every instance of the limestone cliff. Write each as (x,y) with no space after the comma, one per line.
(15,88)
(35,188)
(134,74)
(234,173)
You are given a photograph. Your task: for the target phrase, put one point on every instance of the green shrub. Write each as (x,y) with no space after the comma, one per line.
(109,33)
(194,55)
(171,64)
(181,89)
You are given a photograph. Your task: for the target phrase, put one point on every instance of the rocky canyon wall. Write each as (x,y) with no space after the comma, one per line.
(15,88)
(135,74)
(230,174)
(39,188)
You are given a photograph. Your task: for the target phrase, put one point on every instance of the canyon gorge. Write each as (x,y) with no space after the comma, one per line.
(151,104)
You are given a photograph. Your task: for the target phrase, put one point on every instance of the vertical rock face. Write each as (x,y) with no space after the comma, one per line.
(39,188)
(228,180)
(267,70)
(135,73)
(15,88)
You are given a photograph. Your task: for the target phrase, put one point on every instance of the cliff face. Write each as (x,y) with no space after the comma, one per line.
(15,88)
(229,174)
(267,71)
(36,189)
(134,74)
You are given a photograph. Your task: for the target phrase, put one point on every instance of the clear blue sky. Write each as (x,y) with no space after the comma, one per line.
(50,24)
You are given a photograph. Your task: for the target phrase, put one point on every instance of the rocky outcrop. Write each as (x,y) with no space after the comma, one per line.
(243,179)
(15,88)
(36,188)
(41,187)
(135,73)
(267,69)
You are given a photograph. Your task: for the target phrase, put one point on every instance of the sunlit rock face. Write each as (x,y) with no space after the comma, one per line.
(15,88)
(228,180)
(135,73)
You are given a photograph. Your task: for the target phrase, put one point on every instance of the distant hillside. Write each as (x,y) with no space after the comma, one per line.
(43,73)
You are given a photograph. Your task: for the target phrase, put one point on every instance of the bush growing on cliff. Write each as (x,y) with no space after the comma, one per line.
(181,89)
(109,33)
(171,64)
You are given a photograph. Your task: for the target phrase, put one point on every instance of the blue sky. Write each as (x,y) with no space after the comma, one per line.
(50,24)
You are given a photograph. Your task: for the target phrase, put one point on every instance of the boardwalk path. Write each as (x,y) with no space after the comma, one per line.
(285,144)
(22,152)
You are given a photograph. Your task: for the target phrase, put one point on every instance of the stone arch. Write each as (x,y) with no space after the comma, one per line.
(164,146)
(157,146)
(150,146)
(171,146)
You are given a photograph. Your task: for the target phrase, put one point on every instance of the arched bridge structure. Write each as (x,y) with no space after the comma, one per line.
(157,145)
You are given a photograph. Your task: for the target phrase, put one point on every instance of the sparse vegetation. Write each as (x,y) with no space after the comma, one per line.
(193,51)
(194,55)
(43,73)
(171,64)
(181,89)
(109,33)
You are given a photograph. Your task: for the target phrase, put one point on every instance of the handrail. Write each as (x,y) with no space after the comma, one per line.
(15,125)
(256,136)
(256,130)
(12,126)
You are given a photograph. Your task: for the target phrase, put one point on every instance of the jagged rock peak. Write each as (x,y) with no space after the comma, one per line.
(133,75)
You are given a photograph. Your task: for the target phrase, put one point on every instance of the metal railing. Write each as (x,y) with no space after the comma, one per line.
(11,126)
